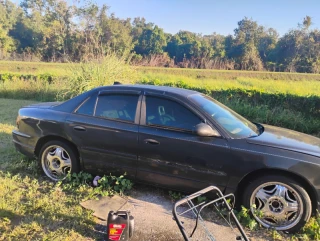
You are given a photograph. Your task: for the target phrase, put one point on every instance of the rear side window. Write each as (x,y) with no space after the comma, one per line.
(168,113)
(87,107)
(117,106)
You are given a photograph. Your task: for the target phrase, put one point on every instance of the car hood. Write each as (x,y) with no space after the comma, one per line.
(287,139)
(43,105)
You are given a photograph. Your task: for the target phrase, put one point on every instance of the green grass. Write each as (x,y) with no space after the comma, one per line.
(57,69)
(31,207)
(283,99)
(61,69)
(228,74)
(299,88)
(267,82)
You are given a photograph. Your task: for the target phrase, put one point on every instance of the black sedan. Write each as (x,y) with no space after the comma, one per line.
(179,139)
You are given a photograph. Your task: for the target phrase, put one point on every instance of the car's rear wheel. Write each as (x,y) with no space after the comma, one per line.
(57,159)
(278,202)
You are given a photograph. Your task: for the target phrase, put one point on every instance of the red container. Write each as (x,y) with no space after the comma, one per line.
(120,226)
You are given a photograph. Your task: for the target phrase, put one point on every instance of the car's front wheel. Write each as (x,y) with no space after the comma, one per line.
(57,159)
(278,202)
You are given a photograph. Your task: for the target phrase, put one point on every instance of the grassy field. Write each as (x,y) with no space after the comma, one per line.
(31,207)
(284,99)
(62,69)
(33,67)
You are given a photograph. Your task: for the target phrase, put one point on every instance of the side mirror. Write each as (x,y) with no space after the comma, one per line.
(203,129)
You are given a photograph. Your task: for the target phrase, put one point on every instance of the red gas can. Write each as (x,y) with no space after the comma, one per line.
(120,226)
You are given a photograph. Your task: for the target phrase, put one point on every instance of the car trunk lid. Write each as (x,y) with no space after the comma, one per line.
(44,105)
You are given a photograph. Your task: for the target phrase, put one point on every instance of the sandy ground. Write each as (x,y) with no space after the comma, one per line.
(152,211)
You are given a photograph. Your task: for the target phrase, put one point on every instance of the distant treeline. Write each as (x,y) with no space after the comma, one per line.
(53,30)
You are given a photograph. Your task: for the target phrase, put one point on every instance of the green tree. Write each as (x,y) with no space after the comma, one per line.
(138,25)
(151,41)
(8,17)
(248,37)
(299,49)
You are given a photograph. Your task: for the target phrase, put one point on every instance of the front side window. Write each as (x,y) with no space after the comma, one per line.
(167,113)
(236,125)
(117,106)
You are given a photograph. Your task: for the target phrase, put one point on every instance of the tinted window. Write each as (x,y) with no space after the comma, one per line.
(87,107)
(120,107)
(164,112)
(232,122)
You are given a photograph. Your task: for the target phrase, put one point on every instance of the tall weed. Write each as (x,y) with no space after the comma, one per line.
(88,75)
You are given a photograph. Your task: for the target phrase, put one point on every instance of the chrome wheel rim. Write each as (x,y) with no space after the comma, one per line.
(276,205)
(56,162)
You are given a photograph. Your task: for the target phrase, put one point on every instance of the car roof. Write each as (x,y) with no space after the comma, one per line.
(71,104)
(165,89)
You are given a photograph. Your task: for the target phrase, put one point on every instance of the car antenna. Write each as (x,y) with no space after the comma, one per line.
(117,83)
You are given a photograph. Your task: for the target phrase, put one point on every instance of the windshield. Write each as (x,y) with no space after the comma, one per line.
(236,125)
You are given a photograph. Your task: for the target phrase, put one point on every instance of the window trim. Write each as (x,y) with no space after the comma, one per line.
(122,92)
(81,104)
(110,92)
(170,98)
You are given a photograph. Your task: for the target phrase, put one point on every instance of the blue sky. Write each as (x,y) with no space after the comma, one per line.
(221,16)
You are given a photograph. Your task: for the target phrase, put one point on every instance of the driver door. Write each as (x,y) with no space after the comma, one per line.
(171,154)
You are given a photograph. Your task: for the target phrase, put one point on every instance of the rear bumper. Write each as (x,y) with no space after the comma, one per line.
(20,141)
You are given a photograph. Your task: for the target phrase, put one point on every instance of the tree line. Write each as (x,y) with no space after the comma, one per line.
(55,31)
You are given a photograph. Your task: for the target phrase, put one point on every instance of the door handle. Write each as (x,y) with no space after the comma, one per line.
(79,128)
(151,142)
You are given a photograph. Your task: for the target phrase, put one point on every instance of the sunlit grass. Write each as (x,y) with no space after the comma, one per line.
(31,207)
(299,88)
(34,67)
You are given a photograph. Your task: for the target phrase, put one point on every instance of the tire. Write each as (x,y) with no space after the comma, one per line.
(57,158)
(280,198)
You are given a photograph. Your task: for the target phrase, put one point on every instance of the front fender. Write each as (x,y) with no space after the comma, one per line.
(253,158)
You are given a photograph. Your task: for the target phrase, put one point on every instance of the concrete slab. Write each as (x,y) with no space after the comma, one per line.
(104,205)
(152,211)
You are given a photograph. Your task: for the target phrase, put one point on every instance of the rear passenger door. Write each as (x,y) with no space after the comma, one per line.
(107,136)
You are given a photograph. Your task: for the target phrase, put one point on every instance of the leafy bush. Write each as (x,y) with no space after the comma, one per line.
(108,185)
(311,231)
(175,196)
(244,216)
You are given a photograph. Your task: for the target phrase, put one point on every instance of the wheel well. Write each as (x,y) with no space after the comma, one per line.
(46,139)
(262,172)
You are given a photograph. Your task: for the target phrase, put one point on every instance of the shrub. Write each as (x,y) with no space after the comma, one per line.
(108,185)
